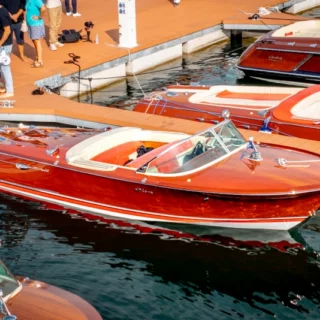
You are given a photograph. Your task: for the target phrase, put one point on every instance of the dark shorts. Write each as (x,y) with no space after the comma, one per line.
(16,29)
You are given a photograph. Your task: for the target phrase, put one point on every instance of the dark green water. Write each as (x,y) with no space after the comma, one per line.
(128,272)
(214,65)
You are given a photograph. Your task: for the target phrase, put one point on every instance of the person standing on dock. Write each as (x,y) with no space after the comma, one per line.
(16,9)
(35,10)
(54,8)
(6,46)
(74,11)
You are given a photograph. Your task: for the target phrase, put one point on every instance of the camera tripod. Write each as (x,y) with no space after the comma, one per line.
(88,31)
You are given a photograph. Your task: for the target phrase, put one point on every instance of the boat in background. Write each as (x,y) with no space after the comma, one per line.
(290,54)
(289,111)
(146,175)
(25,299)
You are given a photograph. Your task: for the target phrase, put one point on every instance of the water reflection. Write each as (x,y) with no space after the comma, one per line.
(214,65)
(265,271)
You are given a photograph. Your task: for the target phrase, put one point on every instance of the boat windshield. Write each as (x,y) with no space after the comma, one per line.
(198,150)
(8,283)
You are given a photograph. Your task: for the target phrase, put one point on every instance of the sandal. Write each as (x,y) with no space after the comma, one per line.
(37,64)
(37,91)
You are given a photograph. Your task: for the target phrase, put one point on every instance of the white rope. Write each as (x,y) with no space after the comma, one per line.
(263,11)
(129,54)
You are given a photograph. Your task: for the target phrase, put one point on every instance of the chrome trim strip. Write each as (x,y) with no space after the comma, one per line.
(289,51)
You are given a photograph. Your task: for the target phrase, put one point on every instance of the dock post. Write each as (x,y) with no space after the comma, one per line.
(236,37)
(127,23)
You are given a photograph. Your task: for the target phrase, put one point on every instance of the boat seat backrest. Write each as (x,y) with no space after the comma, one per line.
(95,145)
(308,108)
(119,154)
(92,151)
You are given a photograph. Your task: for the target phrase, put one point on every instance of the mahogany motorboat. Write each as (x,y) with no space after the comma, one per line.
(289,111)
(212,178)
(290,54)
(26,299)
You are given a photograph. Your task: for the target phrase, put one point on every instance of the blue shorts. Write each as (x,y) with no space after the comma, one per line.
(36,32)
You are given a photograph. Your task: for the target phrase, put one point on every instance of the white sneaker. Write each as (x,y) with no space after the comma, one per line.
(77,14)
(6,95)
(59,44)
(68,14)
(53,47)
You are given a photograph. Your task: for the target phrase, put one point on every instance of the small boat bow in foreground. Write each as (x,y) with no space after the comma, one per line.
(25,299)
(212,178)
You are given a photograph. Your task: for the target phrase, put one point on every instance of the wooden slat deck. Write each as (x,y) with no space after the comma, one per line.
(157,22)
(241,21)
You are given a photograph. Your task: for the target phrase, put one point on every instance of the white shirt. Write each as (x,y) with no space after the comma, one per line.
(53,3)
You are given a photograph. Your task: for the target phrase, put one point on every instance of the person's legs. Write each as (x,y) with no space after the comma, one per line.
(74,6)
(58,20)
(67,4)
(53,27)
(6,72)
(16,29)
(38,47)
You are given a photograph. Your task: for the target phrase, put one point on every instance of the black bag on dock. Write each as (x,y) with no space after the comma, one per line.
(70,36)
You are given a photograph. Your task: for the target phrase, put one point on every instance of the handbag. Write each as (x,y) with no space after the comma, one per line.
(24,27)
(70,36)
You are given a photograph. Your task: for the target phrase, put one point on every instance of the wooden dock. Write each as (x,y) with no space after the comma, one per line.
(250,21)
(157,22)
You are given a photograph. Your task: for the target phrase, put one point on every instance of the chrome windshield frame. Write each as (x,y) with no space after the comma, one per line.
(215,134)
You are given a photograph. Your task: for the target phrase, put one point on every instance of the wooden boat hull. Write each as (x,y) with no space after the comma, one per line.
(125,200)
(273,197)
(285,54)
(178,102)
(38,300)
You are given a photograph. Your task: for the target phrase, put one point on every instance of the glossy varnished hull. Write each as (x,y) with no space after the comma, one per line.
(149,202)
(279,118)
(285,58)
(38,300)
(235,192)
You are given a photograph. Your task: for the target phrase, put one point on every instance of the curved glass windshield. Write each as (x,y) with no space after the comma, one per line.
(8,283)
(198,150)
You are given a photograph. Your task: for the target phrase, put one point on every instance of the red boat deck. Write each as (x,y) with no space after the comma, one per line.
(252,96)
